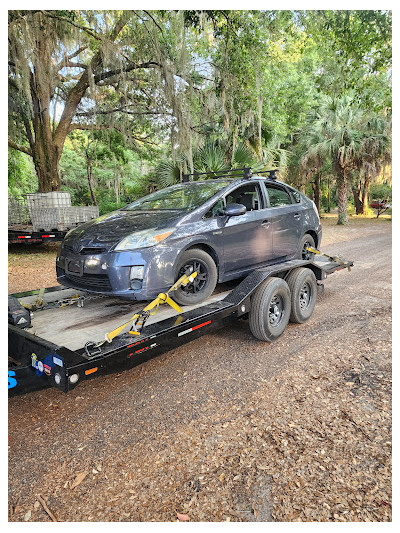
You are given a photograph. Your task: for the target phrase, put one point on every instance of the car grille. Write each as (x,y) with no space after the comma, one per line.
(90,281)
(87,250)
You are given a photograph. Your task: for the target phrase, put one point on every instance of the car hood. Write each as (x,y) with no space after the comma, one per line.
(111,228)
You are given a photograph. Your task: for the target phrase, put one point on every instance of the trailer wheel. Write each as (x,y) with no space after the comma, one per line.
(303,289)
(270,309)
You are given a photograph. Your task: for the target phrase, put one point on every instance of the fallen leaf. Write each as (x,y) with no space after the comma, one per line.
(28,515)
(182,517)
(78,480)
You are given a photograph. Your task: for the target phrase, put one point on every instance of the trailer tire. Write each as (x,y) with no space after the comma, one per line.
(204,284)
(270,309)
(303,294)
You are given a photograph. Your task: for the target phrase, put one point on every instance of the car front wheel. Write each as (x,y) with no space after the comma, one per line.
(204,283)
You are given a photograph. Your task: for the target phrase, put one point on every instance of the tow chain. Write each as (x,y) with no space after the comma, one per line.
(138,320)
(334,258)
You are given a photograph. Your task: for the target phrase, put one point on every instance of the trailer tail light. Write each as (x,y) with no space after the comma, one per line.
(24,237)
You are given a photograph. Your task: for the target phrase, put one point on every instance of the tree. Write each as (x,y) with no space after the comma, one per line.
(381,197)
(376,151)
(334,132)
(21,174)
(73,70)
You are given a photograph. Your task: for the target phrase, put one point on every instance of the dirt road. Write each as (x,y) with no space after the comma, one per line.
(228,428)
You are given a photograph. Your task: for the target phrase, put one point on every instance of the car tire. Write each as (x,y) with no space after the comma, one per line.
(270,309)
(306,241)
(303,294)
(204,283)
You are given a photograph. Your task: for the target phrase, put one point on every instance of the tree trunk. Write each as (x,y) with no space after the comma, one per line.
(342,195)
(358,204)
(328,197)
(364,193)
(45,152)
(316,185)
(90,181)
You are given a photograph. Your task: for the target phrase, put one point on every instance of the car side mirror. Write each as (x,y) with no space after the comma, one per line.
(235,210)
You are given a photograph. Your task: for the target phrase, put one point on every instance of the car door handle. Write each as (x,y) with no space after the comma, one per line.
(265,223)
(296,215)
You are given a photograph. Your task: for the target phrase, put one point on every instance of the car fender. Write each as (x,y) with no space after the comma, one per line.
(202,241)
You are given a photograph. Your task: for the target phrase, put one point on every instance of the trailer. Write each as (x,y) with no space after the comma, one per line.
(69,338)
(39,218)
(26,235)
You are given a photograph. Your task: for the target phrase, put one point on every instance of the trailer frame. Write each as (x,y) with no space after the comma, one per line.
(35,363)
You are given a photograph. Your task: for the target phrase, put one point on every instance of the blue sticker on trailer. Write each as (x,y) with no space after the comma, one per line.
(12,382)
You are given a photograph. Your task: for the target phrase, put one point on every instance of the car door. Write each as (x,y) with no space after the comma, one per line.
(246,240)
(286,223)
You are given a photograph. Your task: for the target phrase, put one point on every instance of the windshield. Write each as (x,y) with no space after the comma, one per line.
(185,196)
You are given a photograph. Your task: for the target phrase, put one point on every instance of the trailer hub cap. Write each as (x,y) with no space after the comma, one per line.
(276,311)
(305,296)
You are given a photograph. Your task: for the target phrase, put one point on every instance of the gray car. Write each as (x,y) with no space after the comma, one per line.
(222,228)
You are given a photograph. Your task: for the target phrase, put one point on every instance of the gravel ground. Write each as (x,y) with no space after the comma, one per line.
(227,428)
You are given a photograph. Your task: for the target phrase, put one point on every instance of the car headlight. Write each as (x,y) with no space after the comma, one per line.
(143,239)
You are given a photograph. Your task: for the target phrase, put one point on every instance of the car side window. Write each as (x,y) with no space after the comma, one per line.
(278,196)
(248,195)
(296,195)
(217,209)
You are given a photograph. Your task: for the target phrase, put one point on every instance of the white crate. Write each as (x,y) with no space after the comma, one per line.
(18,212)
(49,199)
(61,218)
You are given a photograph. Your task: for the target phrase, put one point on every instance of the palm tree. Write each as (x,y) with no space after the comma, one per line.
(335,131)
(376,150)
(215,155)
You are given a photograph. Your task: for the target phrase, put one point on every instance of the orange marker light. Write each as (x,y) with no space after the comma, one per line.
(91,370)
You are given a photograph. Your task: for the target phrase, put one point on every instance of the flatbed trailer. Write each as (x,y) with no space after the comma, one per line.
(64,346)
(28,236)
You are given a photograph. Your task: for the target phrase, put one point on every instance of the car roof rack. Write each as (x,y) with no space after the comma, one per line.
(244,172)
(231,173)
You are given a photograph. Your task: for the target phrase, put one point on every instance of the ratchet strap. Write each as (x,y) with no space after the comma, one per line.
(138,320)
(334,258)
(39,305)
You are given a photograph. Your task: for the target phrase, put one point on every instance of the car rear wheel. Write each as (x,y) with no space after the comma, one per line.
(204,283)
(307,242)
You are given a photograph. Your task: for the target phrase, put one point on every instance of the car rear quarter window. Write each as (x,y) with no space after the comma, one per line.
(277,196)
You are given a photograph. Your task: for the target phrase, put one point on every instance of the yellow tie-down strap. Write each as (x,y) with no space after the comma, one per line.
(334,258)
(152,308)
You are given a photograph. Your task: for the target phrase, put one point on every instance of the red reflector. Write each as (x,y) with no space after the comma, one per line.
(43,236)
(21,237)
(201,325)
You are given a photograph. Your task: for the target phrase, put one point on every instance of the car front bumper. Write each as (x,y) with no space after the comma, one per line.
(109,273)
